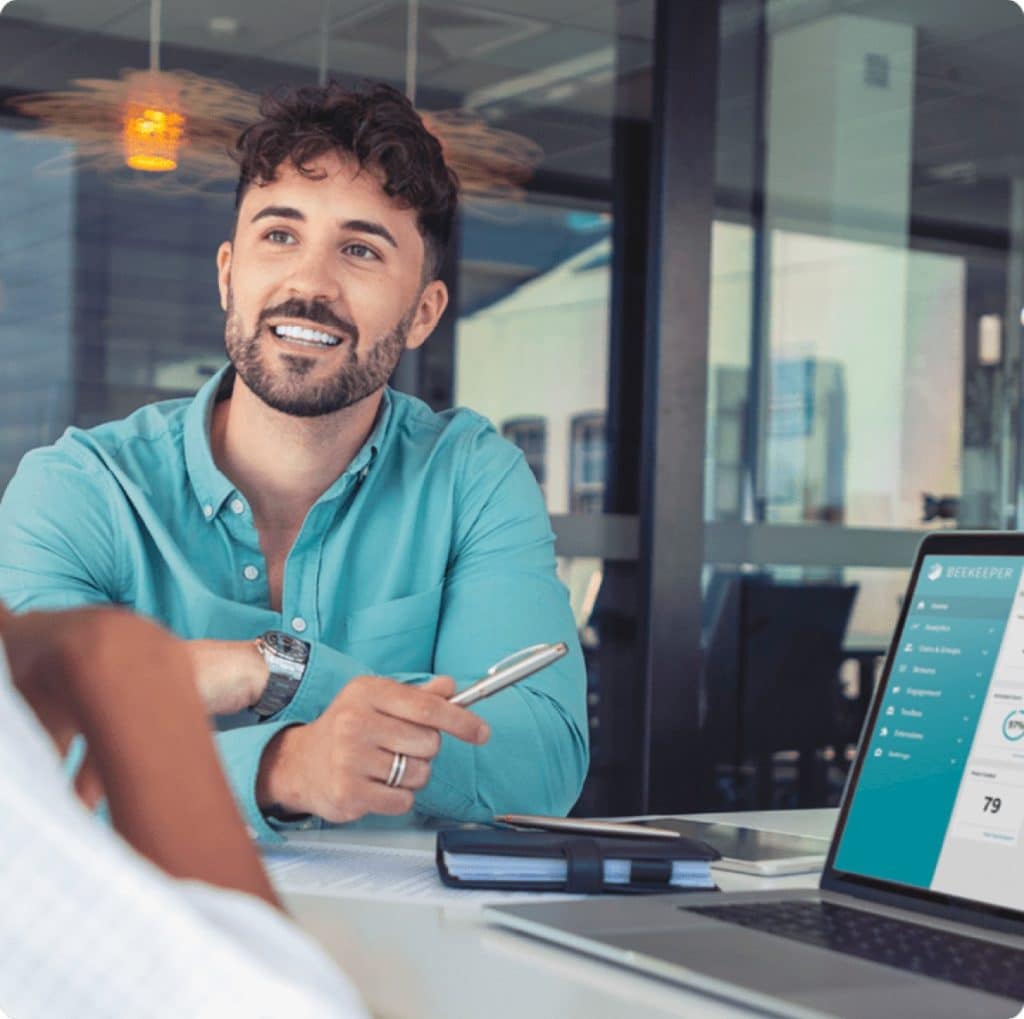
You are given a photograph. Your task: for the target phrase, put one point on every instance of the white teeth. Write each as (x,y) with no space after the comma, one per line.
(306,335)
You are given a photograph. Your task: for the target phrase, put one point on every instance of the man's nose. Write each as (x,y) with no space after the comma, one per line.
(315,277)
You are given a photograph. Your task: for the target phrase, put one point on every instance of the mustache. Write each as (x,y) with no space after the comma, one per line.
(312,311)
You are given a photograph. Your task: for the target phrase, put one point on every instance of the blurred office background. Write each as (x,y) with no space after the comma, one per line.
(755,320)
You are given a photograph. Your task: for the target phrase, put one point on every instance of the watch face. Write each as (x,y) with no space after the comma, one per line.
(287,646)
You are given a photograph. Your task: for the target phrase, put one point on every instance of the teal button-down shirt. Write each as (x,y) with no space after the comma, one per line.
(430,554)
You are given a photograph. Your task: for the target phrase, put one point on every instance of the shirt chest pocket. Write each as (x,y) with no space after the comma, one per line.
(398,635)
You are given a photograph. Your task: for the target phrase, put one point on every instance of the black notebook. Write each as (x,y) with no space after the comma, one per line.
(557,861)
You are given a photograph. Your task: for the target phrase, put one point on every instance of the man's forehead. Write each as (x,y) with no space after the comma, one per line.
(327,176)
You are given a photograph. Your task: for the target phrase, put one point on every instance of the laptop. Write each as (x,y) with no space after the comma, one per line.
(920,907)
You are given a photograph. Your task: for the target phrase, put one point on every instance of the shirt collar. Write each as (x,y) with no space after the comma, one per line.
(363,461)
(211,486)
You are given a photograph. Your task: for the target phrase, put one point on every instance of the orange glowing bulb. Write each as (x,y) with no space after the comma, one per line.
(152,138)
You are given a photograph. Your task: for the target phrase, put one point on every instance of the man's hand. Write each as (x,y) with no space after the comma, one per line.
(336,767)
(230,674)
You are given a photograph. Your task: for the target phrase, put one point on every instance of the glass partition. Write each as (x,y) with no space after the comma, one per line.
(864,379)
(108,294)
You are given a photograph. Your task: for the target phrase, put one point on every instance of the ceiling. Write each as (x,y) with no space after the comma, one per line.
(462,47)
(558,59)
(549,69)
(968,95)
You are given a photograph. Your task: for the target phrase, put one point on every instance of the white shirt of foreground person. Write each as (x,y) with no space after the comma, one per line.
(89,928)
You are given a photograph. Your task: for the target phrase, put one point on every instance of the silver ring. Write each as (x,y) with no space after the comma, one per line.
(397,772)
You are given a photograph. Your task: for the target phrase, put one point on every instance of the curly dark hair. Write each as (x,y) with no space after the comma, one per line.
(378,127)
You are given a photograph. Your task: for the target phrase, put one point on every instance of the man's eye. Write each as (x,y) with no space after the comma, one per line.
(280,237)
(360,251)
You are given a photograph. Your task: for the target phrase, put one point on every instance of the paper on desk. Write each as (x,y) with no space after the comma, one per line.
(377,872)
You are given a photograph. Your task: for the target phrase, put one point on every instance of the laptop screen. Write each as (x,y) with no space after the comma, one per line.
(939,800)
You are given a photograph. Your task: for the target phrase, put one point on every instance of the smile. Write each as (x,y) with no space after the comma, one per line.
(305,336)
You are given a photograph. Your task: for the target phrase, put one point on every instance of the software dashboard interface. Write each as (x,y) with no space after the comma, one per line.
(939,803)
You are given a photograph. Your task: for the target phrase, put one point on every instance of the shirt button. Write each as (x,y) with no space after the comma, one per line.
(250,573)
(237,506)
(298,624)
(207,511)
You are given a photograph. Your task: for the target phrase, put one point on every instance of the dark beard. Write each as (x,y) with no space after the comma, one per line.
(286,389)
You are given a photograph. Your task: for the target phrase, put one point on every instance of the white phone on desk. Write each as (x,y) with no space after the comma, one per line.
(744,850)
(750,850)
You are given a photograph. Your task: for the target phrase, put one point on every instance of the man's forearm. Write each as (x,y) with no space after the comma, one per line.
(229,674)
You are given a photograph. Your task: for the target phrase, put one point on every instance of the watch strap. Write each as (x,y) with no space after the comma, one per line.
(276,696)
(286,659)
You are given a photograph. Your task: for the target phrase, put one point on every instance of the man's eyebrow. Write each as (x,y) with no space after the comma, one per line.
(278,212)
(366,226)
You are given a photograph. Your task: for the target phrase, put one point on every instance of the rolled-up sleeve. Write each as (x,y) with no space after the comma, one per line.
(502,594)
(242,748)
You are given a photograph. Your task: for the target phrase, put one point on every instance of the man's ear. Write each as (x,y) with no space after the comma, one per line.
(429,310)
(224,273)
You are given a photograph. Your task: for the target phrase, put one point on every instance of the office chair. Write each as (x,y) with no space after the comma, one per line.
(772,686)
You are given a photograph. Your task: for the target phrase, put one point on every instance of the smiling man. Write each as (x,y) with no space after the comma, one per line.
(340,557)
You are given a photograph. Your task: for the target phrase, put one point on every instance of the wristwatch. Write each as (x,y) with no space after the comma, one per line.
(286,657)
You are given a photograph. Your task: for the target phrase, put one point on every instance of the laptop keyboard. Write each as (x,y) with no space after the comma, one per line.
(969,962)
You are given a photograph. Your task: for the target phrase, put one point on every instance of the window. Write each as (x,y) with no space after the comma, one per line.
(532,335)
(864,353)
(113,268)
(587,458)
(530,435)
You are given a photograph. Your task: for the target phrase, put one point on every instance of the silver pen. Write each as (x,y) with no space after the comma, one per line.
(586,826)
(510,670)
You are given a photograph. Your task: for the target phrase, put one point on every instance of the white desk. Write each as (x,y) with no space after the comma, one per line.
(418,961)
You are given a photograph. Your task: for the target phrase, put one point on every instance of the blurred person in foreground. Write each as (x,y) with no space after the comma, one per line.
(168,915)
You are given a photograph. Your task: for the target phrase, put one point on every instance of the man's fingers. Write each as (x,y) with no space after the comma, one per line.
(443,686)
(372,798)
(382,800)
(398,735)
(415,776)
(423,706)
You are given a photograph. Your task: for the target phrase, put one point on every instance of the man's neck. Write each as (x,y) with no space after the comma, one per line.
(281,463)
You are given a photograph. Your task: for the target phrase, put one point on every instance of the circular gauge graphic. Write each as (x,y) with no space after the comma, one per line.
(1013,725)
